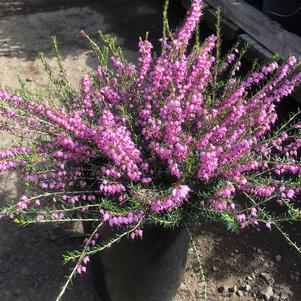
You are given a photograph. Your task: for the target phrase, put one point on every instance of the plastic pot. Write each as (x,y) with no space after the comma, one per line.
(256,3)
(150,269)
(286,12)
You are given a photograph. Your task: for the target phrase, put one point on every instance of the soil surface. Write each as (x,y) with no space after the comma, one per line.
(248,266)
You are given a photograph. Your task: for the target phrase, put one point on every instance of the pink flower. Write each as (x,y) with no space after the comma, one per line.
(81,269)
(290,193)
(268,225)
(253,212)
(180,192)
(241,218)
(86,259)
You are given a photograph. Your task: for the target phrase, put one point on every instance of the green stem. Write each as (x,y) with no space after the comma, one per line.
(28,222)
(100,248)
(72,274)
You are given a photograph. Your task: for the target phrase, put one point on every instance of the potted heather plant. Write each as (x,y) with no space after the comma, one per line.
(143,152)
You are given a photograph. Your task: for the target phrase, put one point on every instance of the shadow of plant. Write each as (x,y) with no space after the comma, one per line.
(25,36)
(31,257)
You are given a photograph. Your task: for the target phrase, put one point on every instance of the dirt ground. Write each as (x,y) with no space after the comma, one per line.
(245,267)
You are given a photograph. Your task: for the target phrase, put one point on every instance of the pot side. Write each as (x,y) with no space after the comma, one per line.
(150,269)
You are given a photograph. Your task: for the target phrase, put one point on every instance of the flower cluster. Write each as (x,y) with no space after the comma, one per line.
(180,133)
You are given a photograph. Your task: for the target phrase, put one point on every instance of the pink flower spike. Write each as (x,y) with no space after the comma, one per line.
(79,269)
(253,212)
(290,194)
(269,225)
(241,218)
(86,259)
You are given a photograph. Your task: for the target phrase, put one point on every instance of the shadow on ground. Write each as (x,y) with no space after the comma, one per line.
(27,26)
(31,257)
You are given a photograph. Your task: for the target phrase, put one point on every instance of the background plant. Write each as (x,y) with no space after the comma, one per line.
(178,138)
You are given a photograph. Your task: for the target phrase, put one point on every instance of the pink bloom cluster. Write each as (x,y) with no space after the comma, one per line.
(121,220)
(178,195)
(163,125)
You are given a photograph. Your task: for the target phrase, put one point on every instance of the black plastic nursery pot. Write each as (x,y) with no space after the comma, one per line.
(148,269)
(286,12)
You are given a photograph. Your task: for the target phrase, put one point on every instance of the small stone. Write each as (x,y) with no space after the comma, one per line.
(249,278)
(214,268)
(195,266)
(221,289)
(265,276)
(28,79)
(268,293)
(247,287)
(197,295)
(225,291)
(278,258)
(239,293)
(283,296)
